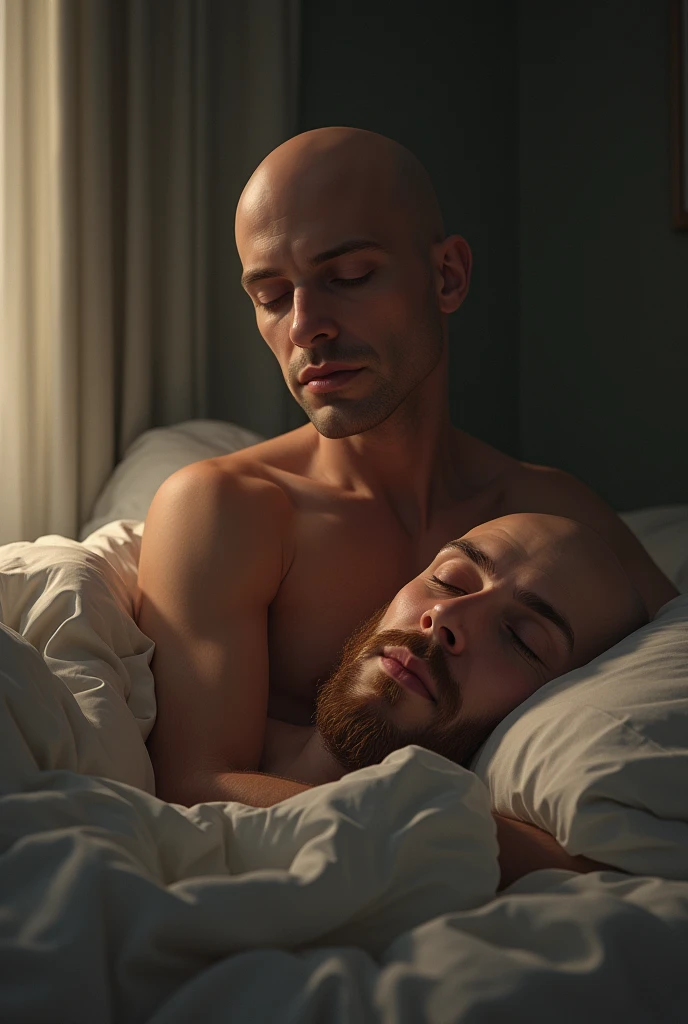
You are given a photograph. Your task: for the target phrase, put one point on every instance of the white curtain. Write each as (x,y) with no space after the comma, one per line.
(105,117)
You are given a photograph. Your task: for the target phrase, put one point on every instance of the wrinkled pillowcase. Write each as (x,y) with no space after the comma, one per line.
(599,756)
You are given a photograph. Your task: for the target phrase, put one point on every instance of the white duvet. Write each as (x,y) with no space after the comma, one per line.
(368,900)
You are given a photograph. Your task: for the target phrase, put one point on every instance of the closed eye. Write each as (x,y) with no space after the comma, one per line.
(516,640)
(523,647)
(273,304)
(346,282)
(445,587)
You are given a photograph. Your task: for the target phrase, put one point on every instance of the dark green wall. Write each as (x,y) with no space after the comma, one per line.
(545,128)
(441,78)
(604,277)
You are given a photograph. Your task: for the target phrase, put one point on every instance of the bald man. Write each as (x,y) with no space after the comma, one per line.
(256,566)
(497,614)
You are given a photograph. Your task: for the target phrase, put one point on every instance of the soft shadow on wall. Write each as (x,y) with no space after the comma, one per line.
(546,133)
(441,79)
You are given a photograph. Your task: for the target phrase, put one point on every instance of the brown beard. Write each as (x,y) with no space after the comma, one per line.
(354,727)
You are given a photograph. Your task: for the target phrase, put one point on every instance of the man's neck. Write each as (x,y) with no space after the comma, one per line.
(410,461)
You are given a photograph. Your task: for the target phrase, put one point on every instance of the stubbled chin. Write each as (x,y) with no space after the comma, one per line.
(388,700)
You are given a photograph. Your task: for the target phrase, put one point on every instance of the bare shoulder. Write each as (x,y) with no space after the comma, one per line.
(214,552)
(287,453)
(528,479)
(533,488)
(219,516)
(228,516)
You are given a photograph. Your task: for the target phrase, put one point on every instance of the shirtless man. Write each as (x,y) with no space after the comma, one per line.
(256,566)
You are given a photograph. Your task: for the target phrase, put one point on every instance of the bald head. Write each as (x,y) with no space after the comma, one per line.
(581,570)
(322,169)
(512,604)
(345,259)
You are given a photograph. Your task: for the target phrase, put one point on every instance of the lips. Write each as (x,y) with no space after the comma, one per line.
(325,370)
(409,665)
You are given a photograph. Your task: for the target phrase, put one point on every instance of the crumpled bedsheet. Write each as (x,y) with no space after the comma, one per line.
(371,899)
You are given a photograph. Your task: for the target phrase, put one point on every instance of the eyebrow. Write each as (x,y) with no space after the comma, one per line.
(476,555)
(525,597)
(351,246)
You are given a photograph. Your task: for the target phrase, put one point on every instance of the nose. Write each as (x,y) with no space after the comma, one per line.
(434,624)
(310,324)
(456,621)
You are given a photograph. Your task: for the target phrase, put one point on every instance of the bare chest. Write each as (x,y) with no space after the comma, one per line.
(349,560)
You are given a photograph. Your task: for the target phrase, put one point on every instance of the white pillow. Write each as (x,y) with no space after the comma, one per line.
(74,604)
(154,456)
(599,756)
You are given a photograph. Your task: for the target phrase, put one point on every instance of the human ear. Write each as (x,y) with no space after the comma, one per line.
(454,261)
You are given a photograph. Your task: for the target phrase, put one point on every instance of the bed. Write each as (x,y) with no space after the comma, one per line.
(371,899)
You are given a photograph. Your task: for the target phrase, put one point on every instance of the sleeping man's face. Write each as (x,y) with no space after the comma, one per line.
(501,611)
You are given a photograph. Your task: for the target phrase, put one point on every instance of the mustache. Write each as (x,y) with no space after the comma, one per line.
(425,648)
(332,354)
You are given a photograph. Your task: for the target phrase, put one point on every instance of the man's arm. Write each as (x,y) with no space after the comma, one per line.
(213,555)
(524,848)
(252,788)
(541,489)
